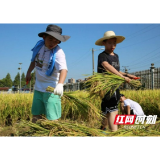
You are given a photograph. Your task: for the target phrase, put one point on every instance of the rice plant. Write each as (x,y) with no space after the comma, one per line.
(102,83)
(73,128)
(78,108)
(50,128)
(80,115)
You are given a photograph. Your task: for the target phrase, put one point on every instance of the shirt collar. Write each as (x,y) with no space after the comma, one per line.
(46,49)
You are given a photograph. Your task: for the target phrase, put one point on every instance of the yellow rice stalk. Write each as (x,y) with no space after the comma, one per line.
(102,83)
(60,128)
(78,108)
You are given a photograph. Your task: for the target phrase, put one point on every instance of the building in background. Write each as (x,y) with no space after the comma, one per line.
(71,80)
(79,80)
(145,79)
(4,88)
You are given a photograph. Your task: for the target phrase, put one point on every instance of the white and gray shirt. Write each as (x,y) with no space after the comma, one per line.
(137,109)
(41,66)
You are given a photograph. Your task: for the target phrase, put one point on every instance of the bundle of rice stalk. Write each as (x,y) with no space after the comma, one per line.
(78,108)
(102,83)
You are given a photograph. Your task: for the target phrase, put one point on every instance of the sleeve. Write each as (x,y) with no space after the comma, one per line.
(118,62)
(60,61)
(117,55)
(102,58)
(126,103)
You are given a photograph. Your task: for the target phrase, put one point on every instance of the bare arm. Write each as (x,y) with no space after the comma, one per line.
(30,69)
(122,108)
(110,68)
(62,77)
(128,75)
(128,109)
(124,74)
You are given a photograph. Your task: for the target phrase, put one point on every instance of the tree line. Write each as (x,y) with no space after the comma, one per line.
(7,81)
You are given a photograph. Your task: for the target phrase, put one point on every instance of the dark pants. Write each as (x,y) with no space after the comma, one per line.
(110,102)
(131,112)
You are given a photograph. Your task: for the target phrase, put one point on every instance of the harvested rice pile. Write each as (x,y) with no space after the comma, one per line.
(49,128)
(70,128)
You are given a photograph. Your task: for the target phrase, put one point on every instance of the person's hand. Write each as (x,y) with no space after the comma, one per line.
(59,89)
(131,76)
(127,79)
(28,77)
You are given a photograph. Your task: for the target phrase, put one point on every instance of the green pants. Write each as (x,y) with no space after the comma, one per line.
(46,103)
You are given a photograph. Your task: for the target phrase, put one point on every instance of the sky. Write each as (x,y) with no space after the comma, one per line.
(140,48)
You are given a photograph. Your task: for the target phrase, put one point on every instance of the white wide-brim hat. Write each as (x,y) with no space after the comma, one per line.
(109,35)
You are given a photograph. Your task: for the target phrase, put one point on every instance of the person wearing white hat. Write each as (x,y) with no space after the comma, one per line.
(108,60)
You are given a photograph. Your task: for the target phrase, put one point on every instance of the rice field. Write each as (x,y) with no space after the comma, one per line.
(80,115)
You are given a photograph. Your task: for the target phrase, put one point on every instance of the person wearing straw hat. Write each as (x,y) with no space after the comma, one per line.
(108,60)
(49,62)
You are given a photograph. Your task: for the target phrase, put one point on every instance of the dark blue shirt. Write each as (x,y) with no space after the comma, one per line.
(113,60)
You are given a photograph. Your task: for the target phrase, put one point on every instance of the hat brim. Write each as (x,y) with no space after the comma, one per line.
(61,38)
(99,42)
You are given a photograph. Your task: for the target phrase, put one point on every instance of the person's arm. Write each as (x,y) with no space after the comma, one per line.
(30,69)
(62,67)
(128,109)
(62,77)
(122,108)
(59,87)
(124,74)
(110,68)
(128,75)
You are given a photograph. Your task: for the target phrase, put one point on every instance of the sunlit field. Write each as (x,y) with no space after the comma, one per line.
(80,115)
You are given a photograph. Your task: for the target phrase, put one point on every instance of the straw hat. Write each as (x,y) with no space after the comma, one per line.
(109,35)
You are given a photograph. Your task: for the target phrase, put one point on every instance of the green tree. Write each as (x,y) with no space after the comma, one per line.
(8,80)
(16,81)
(2,82)
(23,79)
